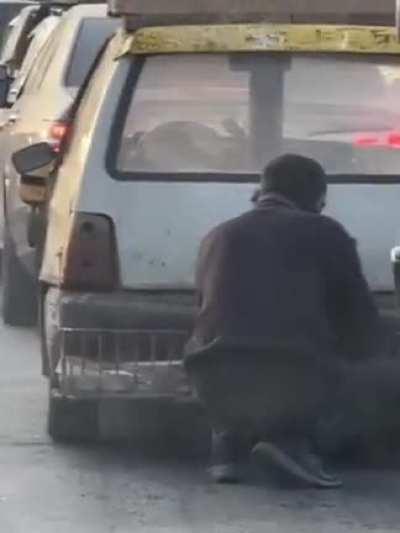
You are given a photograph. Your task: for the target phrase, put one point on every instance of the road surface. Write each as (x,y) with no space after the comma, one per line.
(47,488)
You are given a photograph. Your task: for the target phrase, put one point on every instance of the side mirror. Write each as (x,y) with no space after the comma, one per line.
(29,160)
(32,158)
(5,82)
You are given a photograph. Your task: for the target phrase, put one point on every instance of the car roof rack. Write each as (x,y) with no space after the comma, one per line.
(67,3)
(140,13)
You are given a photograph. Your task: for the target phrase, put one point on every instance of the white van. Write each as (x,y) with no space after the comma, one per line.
(168,141)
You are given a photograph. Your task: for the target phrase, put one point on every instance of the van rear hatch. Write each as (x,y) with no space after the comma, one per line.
(193,131)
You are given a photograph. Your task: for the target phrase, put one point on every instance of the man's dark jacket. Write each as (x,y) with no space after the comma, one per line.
(279,275)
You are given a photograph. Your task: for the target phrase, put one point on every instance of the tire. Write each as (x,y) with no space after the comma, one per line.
(68,419)
(72,420)
(19,290)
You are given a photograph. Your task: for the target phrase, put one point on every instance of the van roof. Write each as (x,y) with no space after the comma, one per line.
(166,12)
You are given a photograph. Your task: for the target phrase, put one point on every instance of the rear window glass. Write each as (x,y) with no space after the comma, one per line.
(230,114)
(91,37)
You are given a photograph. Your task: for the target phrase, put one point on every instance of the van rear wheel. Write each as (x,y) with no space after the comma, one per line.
(68,419)
(19,290)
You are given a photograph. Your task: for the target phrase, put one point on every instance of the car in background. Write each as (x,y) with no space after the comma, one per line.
(8,11)
(19,19)
(15,81)
(38,38)
(17,36)
(22,36)
(22,39)
(15,42)
(41,114)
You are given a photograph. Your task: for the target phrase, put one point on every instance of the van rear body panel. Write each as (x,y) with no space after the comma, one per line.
(159,223)
(159,226)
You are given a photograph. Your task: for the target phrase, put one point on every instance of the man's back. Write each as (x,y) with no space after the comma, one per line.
(279,275)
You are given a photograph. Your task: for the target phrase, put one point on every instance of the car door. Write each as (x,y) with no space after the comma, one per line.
(23,118)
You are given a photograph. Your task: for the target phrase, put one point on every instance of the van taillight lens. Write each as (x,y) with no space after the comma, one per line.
(90,260)
(59,132)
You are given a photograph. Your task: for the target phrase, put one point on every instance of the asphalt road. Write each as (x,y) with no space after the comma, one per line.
(47,488)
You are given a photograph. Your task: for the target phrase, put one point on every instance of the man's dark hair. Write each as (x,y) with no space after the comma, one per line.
(300,179)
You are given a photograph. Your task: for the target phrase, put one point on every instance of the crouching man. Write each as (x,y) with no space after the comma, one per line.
(283,308)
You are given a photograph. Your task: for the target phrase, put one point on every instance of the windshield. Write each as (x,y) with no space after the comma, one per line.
(222,114)
(91,37)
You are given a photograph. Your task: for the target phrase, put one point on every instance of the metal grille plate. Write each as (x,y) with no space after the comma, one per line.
(97,362)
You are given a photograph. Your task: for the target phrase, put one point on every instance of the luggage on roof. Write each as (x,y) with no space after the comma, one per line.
(68,3)
(200,11)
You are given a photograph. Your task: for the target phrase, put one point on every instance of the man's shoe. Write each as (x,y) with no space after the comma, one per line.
(225,457)
(297,461)
(225,473)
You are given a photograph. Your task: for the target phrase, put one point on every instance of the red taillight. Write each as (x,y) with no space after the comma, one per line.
(58,133)
(388,140)
(90,260)
(393,139)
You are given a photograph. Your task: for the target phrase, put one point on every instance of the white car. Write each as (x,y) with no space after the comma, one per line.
(37,39)
(43,96)
(168,141)
(18,33)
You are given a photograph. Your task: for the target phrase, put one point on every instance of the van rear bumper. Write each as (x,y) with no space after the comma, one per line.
(148,403)
(120,344)
(126,310)
(156,309)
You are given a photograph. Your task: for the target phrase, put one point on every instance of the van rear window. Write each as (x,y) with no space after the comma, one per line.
(92,34)
(213,116)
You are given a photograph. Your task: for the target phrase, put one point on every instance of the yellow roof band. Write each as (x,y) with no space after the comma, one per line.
(262,38)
